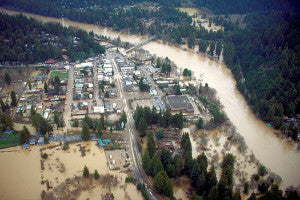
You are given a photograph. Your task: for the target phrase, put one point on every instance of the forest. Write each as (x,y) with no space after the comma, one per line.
(26,40)
(263,56)
(164,168)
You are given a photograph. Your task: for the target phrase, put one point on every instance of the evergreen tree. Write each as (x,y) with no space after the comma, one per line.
(170,169)
(178,164)
(96,174)
(146,162)
(151,144)
(199,123)
(7,78)
(163,184)
(166,157)
(142,127)
(156,164)
(212,194)
(24,135)
(85,133)
(13,99)
(252,196)
(99,128)
(86,172)
(56,119)
(211,179)
(45,87)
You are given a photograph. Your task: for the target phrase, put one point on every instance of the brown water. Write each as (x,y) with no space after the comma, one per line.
(275,153)
(21,173)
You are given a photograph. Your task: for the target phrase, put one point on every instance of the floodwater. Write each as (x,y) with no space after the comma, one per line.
(273,152)
(21,173)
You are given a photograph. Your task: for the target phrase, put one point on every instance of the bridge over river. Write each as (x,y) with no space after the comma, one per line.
(141,43)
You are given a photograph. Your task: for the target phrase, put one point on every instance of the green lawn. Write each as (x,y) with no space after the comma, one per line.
(13,141)
(60,75)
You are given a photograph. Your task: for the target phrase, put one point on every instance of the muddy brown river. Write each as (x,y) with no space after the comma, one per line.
(273,152)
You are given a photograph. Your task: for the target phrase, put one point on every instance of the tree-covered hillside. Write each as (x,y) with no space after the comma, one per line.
(29,41)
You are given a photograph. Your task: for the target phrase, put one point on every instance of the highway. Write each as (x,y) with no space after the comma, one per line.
(136,158)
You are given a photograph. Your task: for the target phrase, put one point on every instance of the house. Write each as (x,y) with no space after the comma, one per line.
(107,196)
(100,143)
(32,141)
(38,134)
(106,141)
(9,131)
(41,141)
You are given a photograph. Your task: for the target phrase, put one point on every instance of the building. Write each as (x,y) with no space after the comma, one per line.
(107,196)
(179,103)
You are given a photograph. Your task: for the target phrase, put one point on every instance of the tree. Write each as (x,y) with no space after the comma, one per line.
(199,123)
(262,170)
(211,179)
(237,195)
(96,174)
(151,147)
(85,133)
(178,164)
(168,117)
(123,118)
(191,40)
(56,83)
(252,196)
(76,123)
(213,194)
(187,72)
(56,119)
(263,187)
(159,134)
(163,184)
(170,169)
(166,157)
(99,128)
(45,87)
(146,162)
(86,172)
(7,78)
(41,123)
(142,126)
(156,164)
(246,188)
(143,86)
(13,99)
(24,135)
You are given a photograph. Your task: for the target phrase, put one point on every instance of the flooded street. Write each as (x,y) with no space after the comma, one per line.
(271,151)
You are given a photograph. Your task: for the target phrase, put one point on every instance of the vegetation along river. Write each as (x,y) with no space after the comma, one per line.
(273,152)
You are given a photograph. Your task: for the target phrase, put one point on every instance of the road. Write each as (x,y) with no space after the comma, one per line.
(69,100)
(137,168)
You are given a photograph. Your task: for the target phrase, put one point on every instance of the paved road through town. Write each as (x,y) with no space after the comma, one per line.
(138,170)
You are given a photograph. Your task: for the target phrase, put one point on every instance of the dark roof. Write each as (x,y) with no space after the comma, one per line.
(179,102)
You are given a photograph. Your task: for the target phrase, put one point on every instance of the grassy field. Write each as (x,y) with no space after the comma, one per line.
(13,141)
(60,75)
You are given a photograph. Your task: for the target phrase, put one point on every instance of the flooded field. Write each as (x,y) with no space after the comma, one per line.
(25,171)
(197,15)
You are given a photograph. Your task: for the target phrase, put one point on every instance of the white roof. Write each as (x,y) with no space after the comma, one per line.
(99,109)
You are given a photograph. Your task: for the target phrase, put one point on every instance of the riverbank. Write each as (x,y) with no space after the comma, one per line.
(270,150)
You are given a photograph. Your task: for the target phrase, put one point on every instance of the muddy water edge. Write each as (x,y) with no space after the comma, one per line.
(275,153)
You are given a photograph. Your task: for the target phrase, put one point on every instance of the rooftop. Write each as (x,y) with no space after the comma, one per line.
(179,103)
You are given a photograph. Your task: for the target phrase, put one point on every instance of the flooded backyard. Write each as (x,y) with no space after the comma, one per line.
(28,172)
